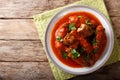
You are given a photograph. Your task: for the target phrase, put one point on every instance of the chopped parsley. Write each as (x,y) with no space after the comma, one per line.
(64,55)
(88,22)
(58,38)
(72,26)
(82,49)
(96,31)
(87,57)
(94,42)
(75,54)
(96,50)
(79,16)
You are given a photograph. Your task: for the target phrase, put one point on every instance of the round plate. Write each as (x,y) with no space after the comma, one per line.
(108,30)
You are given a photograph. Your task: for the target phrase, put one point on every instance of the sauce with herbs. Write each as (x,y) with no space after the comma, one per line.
(78,39)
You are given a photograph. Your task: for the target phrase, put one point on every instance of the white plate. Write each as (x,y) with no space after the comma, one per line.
(108,30)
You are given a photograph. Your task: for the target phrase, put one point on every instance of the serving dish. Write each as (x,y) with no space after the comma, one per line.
(108,31)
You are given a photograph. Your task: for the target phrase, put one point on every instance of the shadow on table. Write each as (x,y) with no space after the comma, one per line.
(110,72)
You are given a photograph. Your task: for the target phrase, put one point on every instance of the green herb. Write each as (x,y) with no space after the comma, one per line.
(94,41)
(58,38)
(72,26)
(88,22)
(73,51)
(82,49)
(79,16)
(87,57)
(96,50)
(75,54)
(96,31)
(64,55)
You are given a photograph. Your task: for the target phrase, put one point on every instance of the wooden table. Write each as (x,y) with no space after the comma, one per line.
(21,54)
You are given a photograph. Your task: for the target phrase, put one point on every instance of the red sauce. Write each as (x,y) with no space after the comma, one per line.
(80,19)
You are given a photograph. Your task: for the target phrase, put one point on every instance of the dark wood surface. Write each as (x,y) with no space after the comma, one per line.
(21,53)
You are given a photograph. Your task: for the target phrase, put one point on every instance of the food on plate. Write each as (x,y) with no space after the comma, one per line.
(78,39)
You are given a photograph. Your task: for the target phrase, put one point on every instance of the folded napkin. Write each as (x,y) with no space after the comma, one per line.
(42,20)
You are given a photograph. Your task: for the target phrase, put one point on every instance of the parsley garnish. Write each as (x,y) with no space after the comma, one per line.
(87,57)
(96,31)
(82,49)
(96,50)
(64,55)
(79,16)
(88,22)
(94,42)
(75,54)
(58,38)
(72,26)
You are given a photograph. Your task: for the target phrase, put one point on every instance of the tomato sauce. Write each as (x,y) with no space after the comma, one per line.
(70,55)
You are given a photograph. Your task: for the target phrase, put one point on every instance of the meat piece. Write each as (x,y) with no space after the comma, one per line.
(94,24)
(62,30)
(100,36)
(59,45)
(81,20)
(73,19)
(85,44)
(74,33)
(100,28)
(85,30)
(68,51)
(68,39)
(81,61)
(91,62)
(74,45)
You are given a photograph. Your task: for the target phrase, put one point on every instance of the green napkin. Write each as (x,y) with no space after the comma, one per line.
(42,20)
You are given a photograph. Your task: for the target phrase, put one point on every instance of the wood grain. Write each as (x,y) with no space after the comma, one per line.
(116,26)
(21,51)
(113,7)
(18,29)
(25,71)
(28,8)
(41,71)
